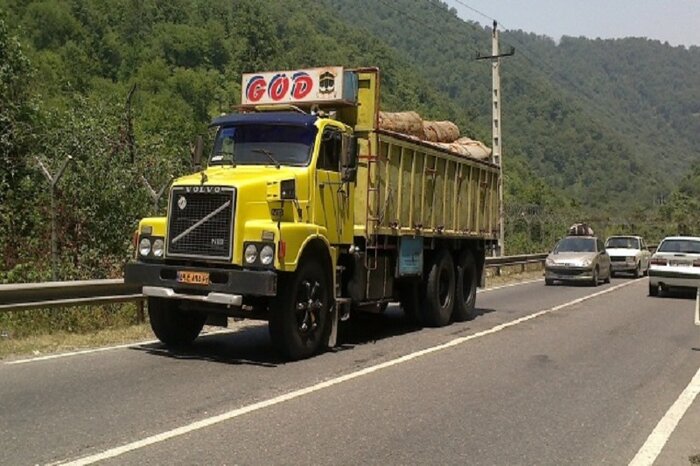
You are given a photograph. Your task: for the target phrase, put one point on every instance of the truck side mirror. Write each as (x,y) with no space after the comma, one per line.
(197,156)
(348,159)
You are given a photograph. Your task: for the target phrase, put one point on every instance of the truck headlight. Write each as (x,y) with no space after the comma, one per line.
(145,246)
(251,253)
(267,254)
(630,260)
(158,247)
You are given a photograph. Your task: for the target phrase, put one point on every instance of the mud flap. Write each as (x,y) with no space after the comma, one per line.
(333,337)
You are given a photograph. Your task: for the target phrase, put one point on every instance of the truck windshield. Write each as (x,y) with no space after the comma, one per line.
(575,245)
(263,145)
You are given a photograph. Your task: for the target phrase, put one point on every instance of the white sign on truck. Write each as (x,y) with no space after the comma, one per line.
(298,86)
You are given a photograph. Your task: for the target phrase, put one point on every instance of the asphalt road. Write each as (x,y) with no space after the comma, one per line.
(537,378)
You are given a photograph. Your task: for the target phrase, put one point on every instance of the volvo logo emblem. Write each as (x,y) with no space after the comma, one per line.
(182,202)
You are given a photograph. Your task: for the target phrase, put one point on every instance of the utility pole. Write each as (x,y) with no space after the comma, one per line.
(53,181)
(496,154)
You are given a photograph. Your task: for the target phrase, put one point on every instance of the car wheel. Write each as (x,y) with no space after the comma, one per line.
(594,280)
(607,279)
(638,270)
(548,282)
(653,290)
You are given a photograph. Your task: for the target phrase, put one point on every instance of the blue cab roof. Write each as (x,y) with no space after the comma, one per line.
(265,118)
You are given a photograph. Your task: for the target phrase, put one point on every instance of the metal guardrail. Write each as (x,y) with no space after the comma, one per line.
(18,297)
(24,296)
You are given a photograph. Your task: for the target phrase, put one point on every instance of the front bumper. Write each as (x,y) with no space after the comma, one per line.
(623,266)
(674,278)
(227,286)
(569,274)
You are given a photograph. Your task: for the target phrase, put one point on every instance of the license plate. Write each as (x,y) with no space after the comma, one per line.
(193,278)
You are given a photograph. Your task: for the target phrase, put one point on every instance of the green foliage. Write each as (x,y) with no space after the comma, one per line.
(591,128)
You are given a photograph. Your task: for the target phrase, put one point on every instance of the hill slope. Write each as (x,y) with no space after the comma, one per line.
(597,118)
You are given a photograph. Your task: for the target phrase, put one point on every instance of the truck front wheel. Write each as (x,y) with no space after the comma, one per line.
(299,317)
(439,290)
(465,303)
(173,326)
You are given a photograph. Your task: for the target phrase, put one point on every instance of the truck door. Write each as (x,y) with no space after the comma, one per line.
(333,207)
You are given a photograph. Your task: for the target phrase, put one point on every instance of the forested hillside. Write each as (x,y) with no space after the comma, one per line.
(124,86)
(612,122)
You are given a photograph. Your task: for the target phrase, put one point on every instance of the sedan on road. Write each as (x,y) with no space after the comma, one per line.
(578,259)
(628,254)
(675,264)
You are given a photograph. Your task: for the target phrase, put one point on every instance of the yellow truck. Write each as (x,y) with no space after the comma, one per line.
(307,212)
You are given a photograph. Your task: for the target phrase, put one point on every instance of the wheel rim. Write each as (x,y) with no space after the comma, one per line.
(307,306)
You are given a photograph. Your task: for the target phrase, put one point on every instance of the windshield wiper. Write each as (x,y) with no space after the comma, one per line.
(269,156)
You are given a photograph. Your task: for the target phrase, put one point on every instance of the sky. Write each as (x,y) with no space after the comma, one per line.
(674,21)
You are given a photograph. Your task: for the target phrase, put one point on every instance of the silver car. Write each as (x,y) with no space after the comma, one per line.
(675,264)
(628,254)
(578,259)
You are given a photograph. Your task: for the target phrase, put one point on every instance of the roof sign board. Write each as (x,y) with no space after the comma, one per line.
(312,85)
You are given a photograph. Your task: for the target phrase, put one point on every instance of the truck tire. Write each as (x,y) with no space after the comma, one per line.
(299,316)
(638,270)
(465,288)
(172,326)
(439,296)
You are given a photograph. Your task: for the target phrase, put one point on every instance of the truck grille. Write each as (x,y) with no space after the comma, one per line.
(200,223)
(618,258)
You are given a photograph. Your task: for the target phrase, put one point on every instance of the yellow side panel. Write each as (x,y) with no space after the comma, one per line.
(408,188)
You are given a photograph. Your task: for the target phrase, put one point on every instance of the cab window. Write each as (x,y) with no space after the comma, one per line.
(329,153)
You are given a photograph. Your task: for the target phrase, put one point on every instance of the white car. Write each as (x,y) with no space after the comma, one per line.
(675,264)
(628,254)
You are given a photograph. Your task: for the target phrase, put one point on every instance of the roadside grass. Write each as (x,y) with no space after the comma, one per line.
(47,331)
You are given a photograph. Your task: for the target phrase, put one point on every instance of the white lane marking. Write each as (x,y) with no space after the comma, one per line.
(663,430)
(151,342)
(509,285)
(129,447)
(99,350)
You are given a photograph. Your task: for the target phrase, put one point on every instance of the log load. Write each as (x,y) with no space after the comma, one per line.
(409,123)
(444,134)
(440,131)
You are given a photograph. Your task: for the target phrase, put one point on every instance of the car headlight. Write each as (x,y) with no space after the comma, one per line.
(549,262)
(145,246)
(251,253)
(267,254)
(158,247)
(586,262)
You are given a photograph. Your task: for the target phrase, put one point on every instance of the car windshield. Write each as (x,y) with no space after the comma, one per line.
(623,243)
(687,246)
(263,145)
(575,245)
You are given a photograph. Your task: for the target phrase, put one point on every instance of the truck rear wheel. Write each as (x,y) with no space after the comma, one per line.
(173,326)
(439,297)
(299,316)
(465,302)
